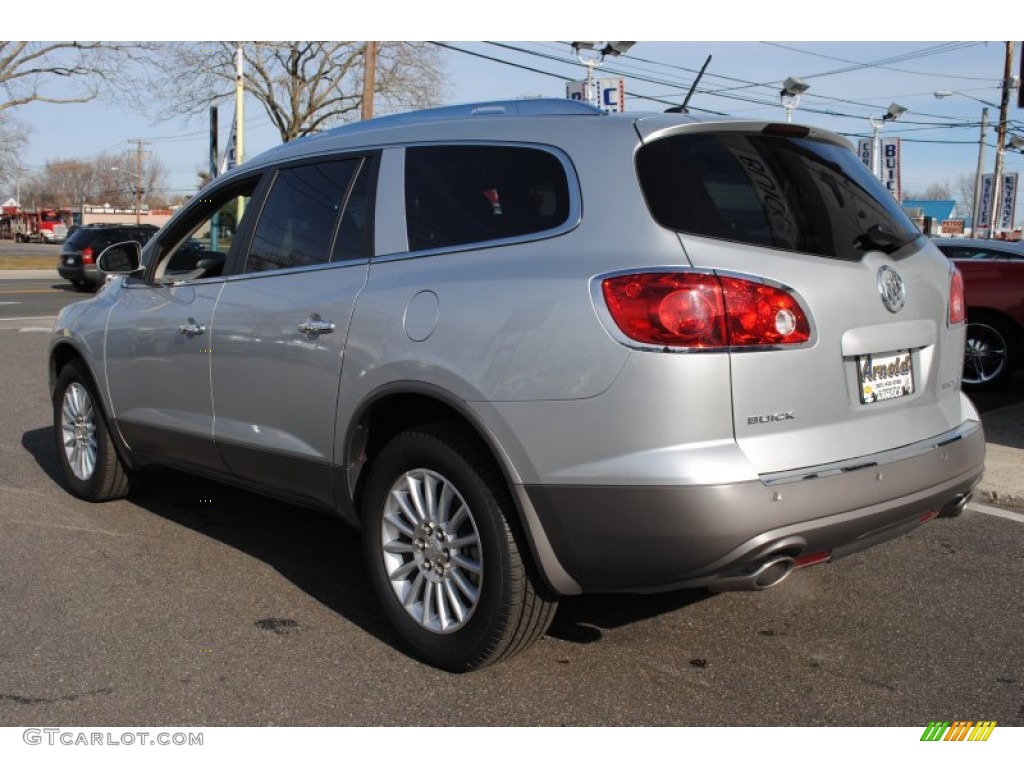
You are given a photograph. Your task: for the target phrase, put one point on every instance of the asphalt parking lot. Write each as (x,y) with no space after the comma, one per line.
(197,604)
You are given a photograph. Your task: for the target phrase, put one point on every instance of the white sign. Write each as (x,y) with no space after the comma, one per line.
(890,152)
(865,151)
(1007,201)
(609,93)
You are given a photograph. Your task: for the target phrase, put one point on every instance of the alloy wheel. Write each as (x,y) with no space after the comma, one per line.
(431,550)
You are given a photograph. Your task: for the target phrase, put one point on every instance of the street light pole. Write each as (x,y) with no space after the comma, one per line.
(895,110)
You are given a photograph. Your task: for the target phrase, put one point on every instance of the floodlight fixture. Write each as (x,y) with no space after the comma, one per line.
(617,47)
(794,86)
(790,95)
(895,111)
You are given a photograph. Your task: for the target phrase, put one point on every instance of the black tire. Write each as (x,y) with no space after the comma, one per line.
(511,608)
(82,286)
(989,352)
(81,432)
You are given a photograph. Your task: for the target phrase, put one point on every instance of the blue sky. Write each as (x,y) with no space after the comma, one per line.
(850,81)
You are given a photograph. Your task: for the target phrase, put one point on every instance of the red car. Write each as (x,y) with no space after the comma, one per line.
(993,273)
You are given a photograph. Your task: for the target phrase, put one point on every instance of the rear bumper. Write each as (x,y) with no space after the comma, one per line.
(78,273)
(646,538)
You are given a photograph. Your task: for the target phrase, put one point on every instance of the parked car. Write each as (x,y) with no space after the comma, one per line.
(84,244)
(993,273)
(533,350)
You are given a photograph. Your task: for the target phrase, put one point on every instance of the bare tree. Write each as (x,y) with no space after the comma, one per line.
(35,71)
(30,71)
(67,182)
(303,86)
(118,178)
(965,194)
(934,191)
(13,136)
(106,178)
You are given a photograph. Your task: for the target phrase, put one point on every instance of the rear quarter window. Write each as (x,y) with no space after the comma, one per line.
(460,195)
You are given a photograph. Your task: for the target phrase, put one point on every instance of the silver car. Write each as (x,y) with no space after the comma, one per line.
(532,350)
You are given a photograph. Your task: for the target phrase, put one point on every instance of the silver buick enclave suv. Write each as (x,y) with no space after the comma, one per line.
(533,350)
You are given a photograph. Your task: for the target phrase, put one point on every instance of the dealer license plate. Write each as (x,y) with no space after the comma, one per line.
(885,377)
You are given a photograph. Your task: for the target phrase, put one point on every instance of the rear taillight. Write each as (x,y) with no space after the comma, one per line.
(957,308)
(703,311)
(87,255)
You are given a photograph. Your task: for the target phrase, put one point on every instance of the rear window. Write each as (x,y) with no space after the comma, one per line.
(79,238)
(472,194)
(795,194)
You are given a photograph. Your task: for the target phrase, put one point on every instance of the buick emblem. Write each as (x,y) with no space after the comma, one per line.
(894,292)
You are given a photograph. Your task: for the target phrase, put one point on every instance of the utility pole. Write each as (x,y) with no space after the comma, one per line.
(369,78)
(138,179)
(1004,104)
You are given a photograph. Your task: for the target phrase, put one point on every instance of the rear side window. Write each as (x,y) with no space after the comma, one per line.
(473,194)
(297,224)
(791,193)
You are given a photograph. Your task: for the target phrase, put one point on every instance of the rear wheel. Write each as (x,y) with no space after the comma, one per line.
(988,352)
(444,556)
(91,465)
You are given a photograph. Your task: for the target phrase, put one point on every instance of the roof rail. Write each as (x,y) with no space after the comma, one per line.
(510,108)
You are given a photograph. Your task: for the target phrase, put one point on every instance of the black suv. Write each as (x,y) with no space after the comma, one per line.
(84,245)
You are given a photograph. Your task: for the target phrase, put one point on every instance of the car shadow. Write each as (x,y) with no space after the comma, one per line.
(41,446)
(323,557)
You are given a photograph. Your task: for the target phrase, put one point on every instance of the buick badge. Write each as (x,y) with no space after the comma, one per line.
(894,292)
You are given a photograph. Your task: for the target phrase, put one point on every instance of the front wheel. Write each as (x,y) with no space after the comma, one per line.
(444,555)
(91,465)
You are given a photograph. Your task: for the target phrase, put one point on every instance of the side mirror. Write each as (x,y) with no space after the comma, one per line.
(121,258)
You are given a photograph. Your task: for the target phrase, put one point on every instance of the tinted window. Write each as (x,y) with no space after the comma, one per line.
(296,225)
(791,193)
(197,245)
(471,194)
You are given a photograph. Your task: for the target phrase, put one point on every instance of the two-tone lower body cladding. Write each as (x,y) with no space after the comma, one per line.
(650,538)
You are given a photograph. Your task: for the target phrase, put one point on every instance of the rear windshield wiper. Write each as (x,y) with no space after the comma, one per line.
(877,238)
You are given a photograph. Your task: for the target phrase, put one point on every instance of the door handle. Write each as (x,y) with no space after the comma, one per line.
(191,328)
(314,325)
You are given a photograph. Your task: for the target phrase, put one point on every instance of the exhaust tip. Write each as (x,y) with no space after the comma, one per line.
(763,575)
(955,508)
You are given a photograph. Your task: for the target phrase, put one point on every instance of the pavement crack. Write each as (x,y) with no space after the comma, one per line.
(69,697)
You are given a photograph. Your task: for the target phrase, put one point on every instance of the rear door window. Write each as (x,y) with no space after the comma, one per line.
(460,195)
(796,194)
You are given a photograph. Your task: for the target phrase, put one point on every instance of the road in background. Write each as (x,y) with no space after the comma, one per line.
(35,298)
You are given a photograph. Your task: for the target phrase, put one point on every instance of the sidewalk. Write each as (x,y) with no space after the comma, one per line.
(1003,484)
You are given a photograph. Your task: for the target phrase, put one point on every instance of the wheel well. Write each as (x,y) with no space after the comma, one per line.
(61,356)
(392,414)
